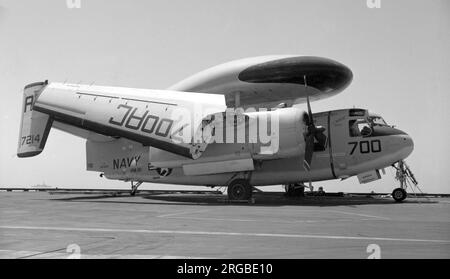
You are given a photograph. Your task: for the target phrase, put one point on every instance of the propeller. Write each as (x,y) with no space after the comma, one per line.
(312,132)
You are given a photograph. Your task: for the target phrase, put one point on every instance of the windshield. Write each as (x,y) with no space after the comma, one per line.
(359,127)
(377,120)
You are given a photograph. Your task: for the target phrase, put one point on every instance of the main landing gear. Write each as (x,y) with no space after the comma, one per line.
(134,187)
(239,190)
(295,190)
(405,177)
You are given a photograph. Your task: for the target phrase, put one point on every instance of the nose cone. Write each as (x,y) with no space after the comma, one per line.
(399,144)
(405,145)
(409,145)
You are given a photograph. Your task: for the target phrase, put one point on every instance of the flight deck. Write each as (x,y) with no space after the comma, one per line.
(206,225)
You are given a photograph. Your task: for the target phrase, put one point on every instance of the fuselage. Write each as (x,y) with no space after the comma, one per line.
(346,153)
(134,135)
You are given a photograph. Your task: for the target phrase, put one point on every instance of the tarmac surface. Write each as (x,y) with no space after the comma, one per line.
(191,225)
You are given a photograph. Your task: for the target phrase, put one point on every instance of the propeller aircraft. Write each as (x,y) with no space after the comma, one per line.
(237,125)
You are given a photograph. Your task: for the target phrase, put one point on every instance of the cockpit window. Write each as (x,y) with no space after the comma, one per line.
(359,128)
(377,120)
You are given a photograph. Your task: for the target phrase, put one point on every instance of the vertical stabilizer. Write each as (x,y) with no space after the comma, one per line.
(34,126)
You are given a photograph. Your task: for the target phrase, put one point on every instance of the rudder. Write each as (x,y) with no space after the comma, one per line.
(35,126)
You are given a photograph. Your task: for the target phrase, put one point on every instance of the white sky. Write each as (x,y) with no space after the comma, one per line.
(399,55)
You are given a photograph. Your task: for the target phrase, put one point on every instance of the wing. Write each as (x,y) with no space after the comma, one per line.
(171,121)
(267,81)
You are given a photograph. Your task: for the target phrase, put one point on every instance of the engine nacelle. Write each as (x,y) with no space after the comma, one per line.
(286,137)
(266,135)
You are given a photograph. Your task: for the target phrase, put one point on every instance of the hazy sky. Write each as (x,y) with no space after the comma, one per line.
(399,55)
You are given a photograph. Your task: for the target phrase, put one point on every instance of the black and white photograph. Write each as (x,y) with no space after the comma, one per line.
(224,137)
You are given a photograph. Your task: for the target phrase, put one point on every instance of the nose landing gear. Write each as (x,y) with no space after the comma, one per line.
(406,178)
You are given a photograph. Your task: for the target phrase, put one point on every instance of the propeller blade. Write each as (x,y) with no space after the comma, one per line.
(312,133)
(310,116)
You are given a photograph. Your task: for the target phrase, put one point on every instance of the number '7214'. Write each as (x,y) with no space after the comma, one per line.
(30,139)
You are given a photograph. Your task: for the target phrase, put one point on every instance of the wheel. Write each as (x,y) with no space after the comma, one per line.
(239,189)
(289,189)
(399,194)
(321,193)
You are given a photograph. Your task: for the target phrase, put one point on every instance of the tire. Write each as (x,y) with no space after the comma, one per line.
(289,189)
(399,194)
(239,189)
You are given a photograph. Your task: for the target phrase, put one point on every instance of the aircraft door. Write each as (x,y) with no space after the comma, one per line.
(340,136)
(347,129)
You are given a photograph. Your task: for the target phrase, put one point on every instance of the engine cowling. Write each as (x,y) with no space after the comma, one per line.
(265,135)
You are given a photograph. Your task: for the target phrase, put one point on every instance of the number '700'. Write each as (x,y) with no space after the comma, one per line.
(365,146)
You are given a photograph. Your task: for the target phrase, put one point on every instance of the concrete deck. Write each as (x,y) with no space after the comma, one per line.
(40,225)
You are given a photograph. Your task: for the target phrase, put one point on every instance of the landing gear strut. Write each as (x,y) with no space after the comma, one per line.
(134,187)
(404,176)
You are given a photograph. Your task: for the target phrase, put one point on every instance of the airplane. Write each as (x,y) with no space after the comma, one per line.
(236,125)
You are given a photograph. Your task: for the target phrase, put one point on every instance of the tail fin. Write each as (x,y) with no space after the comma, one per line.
(35,126)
